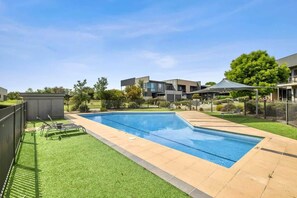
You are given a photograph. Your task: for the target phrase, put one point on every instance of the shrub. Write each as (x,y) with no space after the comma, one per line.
(165,104)
(133,105)
(227,100)
(83,108)
(276,109)
(185,102)
(112,104)
(103,109)
(228,107)
(223,97)
(239,107)
(242,99)
(217,102)
(219,107)
(201,109)
(139,101)
(251,108)
(196,96)
(74,108)
(292,112)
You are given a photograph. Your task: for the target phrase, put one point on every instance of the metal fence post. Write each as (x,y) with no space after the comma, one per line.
(211,108)
(244,106)
(265,108)
(287,112)
(14,123)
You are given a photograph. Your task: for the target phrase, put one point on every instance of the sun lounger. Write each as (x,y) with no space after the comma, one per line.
(58,127)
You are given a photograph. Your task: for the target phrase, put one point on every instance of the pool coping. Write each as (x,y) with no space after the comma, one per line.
(212,179)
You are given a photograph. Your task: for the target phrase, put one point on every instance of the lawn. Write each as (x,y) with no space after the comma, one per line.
(10,102)
(258,123)
(80,166)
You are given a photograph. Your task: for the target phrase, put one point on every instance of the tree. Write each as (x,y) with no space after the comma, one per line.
(90,92)
(257,69)
(29,90)
(49,90)
(80,96)
(114,98)
(14,96)
(210,83)
(133,92)
(100,87)
(196,96)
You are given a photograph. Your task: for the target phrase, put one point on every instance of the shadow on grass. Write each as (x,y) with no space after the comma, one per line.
(24,178)
(58,135)
(240,118)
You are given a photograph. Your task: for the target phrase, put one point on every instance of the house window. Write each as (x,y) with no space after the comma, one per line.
(295,72)
(193,88)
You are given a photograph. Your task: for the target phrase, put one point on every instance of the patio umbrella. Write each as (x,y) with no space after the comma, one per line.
(227,86)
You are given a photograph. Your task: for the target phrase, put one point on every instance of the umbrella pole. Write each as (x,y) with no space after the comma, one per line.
(211,104)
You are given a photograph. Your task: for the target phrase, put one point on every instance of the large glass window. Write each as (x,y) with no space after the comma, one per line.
(193,88)
(160,87)
(181,88)
(153,87)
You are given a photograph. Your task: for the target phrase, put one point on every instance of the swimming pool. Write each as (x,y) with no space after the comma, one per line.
(170,130)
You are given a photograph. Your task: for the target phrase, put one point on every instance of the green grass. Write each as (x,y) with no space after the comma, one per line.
(10,102)
(94,104)
(262,124)
(80,166)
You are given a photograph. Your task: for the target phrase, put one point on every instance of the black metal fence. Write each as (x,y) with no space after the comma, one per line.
(273,110)
(12,125)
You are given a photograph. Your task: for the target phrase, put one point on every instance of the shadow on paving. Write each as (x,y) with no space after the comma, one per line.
(24,178)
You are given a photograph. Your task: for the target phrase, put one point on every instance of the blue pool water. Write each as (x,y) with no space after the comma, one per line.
(170,130)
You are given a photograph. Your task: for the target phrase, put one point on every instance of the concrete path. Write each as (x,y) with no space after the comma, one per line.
(268,170)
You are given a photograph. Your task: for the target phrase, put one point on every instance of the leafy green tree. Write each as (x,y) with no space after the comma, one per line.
(210,83)
(49,90)
(100,87)
(196,96)
(80,96)
(114,98)
(29,90)
(257,69)
(67,99)
(90,92)
(14,96)
(133,92)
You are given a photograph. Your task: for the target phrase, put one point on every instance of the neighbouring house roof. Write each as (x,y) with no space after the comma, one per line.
(291,60)
(3,90)
(225,86)
(41,95)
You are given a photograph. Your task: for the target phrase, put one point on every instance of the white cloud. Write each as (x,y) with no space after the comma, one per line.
(163,61)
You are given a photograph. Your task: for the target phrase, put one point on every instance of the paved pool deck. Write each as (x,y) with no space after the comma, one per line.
(268,170)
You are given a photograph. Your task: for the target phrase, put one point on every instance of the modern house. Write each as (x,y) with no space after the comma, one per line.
(170,90)
(288,91)
(3,94)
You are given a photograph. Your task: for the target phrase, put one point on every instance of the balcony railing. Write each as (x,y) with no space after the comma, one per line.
(292,79)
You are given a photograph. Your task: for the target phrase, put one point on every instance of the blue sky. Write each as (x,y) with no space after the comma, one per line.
(57,42)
